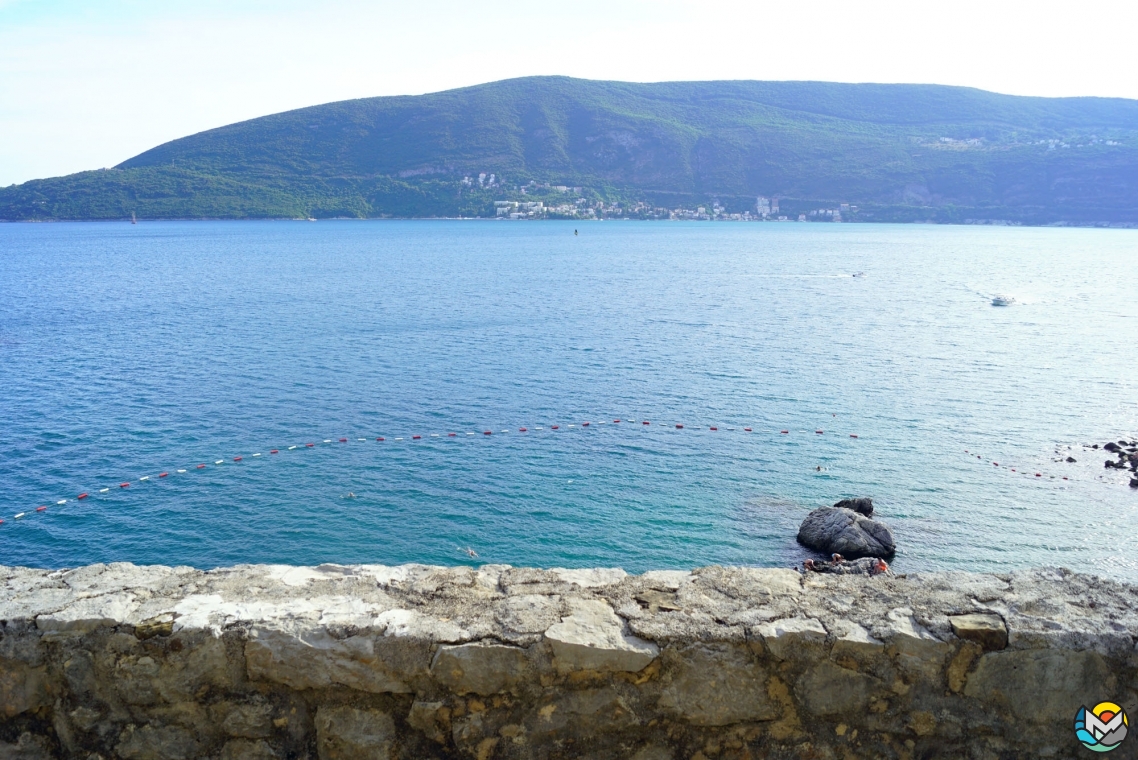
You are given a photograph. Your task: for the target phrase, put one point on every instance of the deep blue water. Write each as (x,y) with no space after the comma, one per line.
(126,351)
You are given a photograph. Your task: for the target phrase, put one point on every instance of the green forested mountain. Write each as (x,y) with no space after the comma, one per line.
(896,152)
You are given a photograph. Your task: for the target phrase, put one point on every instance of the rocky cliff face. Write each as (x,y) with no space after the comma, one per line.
(331,662)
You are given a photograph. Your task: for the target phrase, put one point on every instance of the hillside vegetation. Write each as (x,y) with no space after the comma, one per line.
(895,152)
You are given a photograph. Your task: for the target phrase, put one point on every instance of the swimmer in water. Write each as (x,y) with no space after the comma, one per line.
(350,495)
(574,232)
(468,551)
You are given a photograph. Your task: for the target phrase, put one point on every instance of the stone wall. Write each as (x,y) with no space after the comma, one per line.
(335,662)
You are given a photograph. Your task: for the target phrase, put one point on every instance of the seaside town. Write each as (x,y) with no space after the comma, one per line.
(765,209)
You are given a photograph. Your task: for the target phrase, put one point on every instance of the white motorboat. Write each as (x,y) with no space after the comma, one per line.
(1002,300)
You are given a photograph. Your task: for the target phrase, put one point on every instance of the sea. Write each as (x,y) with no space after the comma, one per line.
(132,355)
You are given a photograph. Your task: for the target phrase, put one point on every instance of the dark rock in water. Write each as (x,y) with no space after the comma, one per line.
(1095,446)
(1071,459)
(836,530)
(862,505)
(1110,463)
(1134,482)
(1112,446)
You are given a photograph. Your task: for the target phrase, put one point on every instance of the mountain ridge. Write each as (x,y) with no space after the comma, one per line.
(897,152)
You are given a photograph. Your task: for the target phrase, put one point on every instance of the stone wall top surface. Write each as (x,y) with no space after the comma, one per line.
(574,608)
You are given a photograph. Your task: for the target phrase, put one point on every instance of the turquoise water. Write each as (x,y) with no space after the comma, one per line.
(126,351)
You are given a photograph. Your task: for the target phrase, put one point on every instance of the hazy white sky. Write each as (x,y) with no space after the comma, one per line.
(89,83)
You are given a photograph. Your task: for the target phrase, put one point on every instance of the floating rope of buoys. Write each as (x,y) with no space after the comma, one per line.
(1025,473)
(586,425)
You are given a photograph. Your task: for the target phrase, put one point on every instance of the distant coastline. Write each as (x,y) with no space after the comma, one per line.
(555,147)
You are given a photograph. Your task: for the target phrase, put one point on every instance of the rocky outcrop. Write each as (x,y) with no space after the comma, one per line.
(862,505)
(846,532)
(261,662)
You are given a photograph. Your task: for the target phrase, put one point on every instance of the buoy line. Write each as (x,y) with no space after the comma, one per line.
(419,439)
(1026,472)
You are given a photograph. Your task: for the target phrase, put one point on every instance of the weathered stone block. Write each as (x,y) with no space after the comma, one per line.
(481,668)
(592,637)
(246,721)
(345,733)
(244,749)
(529,613)
(22,688)
(827,689)
(986,629)
(314,659)
(590,712)
(792,637)
(85,615)
(157,743)
(1039,685)
(853,641)
(428,717)
(27,747)
(715,686)
(916,651)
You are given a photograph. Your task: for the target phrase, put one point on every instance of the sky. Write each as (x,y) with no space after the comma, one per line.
(89,83)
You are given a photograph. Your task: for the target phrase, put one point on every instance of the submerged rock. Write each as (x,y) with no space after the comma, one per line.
(861,505)
(837,530)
